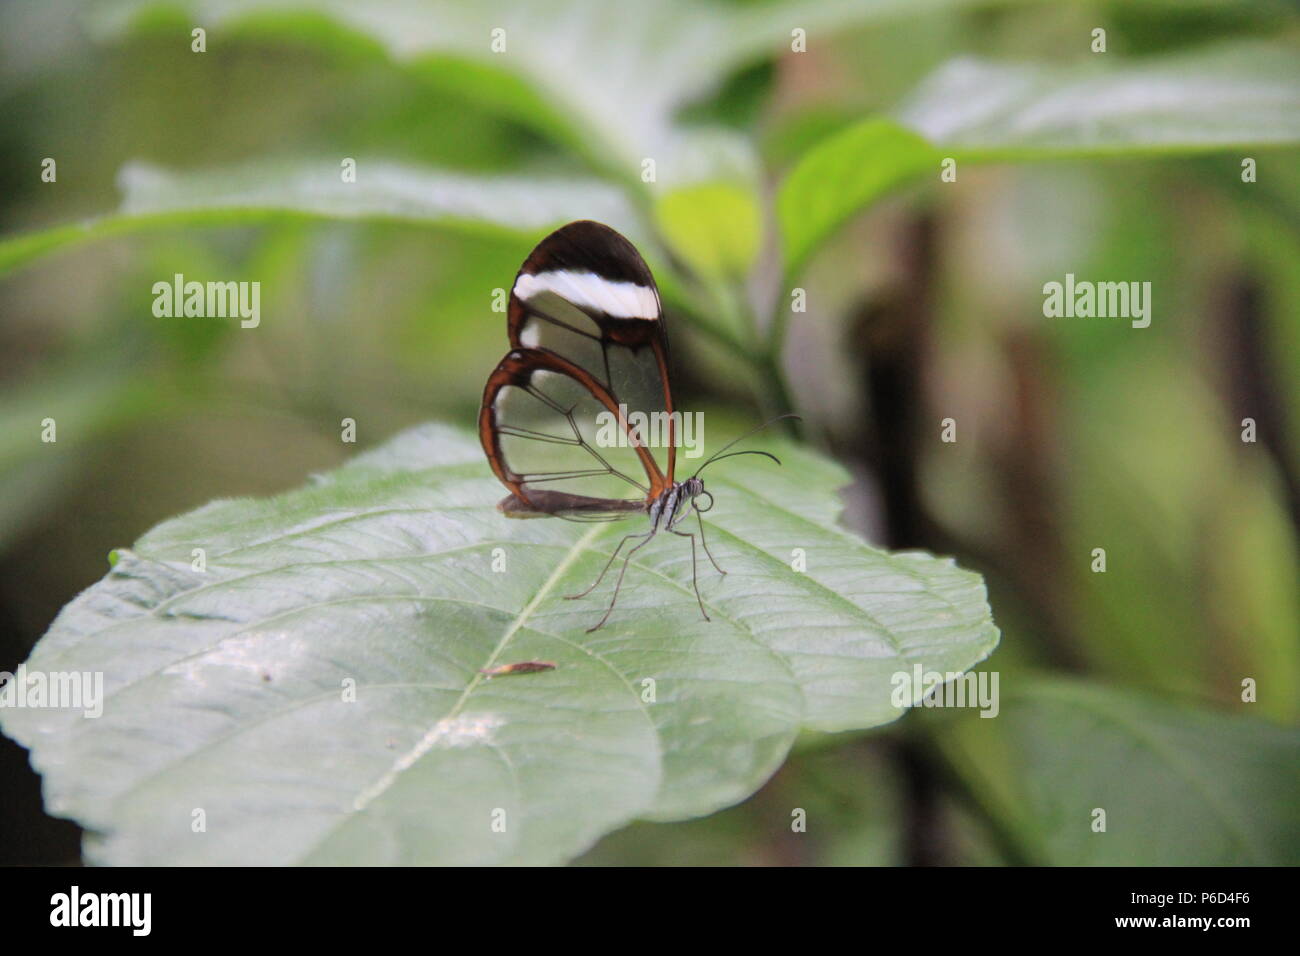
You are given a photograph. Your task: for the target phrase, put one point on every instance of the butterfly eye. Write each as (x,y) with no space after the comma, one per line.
(699,507)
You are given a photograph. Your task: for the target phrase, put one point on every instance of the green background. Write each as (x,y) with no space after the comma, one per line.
(775,170)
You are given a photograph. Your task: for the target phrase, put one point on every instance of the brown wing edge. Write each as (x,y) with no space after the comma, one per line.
(516,369)
(542,503)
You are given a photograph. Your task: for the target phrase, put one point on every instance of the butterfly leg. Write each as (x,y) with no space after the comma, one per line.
(600,577)
(622,571)
(695,582)
(700,518)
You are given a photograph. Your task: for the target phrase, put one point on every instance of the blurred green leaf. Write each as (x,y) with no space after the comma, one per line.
(607,79)
(86,400)
(1215,98)
(974,111)
(716,227)
(388,192)
(223,687)
(839,807)
(841,175)
(1130,492)
(1179,786)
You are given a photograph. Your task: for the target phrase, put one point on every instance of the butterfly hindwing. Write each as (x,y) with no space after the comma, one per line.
(539,425)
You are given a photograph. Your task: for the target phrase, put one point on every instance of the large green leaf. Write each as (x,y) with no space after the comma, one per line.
(224,687)
(974,111)
(1179,786)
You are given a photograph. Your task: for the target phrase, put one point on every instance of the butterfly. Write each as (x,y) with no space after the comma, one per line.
(572,416)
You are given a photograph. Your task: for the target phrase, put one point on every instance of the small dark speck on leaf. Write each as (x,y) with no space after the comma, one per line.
(522,667)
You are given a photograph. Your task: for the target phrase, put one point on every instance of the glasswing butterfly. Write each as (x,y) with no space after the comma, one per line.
(567,414)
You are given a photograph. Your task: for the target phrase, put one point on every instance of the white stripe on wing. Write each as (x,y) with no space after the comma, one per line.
(620,300)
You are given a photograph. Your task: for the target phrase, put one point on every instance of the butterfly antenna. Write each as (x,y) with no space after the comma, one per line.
(718,455)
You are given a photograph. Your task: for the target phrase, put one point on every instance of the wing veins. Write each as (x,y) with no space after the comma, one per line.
(577,435)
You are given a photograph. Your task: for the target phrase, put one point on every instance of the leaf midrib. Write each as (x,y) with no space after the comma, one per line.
(425,744)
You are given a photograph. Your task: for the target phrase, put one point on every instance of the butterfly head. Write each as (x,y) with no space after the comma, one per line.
(693,490)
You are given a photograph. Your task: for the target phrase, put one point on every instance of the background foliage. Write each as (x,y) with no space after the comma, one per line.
(775,170)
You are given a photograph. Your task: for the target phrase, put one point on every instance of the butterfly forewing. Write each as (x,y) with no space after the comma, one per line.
(567,414)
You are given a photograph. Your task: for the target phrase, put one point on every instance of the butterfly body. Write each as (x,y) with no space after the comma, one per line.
(675,503)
